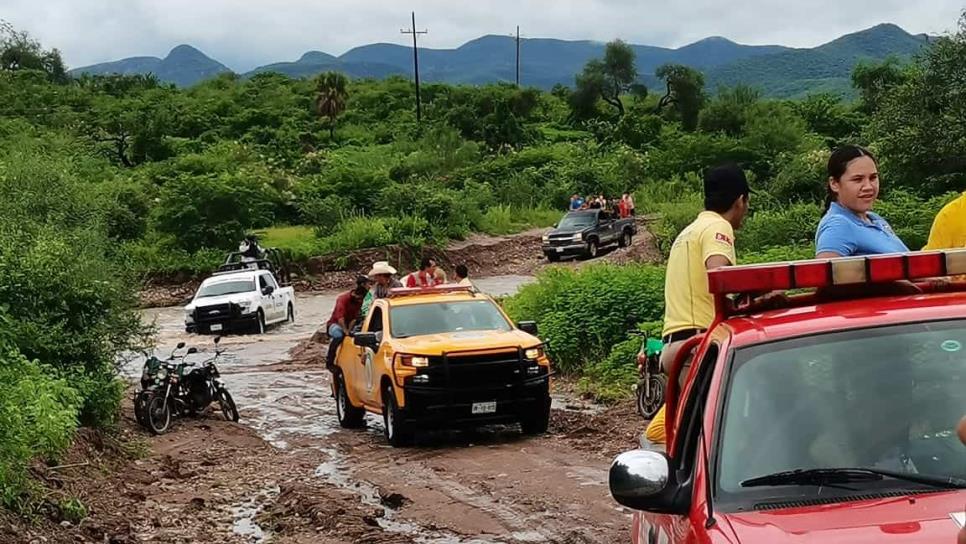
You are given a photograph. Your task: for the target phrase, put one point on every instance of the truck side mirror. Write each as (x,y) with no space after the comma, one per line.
(366,340)
(529,327)
(268,290)
(643,480)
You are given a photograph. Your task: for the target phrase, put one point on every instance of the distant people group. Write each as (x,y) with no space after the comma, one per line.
(623,206)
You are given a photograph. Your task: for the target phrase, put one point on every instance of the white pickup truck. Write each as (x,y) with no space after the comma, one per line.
(239,300)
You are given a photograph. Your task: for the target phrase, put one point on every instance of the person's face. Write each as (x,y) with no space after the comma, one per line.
(383,279)
(358,295)
(741,207)
(858,187)
(432,267)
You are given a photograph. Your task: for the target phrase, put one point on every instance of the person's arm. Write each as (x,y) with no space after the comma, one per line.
(718,246)
(834,239)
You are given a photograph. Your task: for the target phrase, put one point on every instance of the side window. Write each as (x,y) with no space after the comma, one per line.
(375,322)
(694,405)
(270,280)
(261,282)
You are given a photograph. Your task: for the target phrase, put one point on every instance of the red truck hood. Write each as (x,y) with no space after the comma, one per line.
(914,518)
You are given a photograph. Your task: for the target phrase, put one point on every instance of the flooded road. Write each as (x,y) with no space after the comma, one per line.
(486,486)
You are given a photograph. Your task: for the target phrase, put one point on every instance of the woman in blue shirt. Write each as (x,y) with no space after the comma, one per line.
(849,227)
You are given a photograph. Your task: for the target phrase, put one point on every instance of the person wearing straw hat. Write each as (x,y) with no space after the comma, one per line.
(383,277)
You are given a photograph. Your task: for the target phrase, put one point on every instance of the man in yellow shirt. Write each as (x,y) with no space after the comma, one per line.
(707,243)
(949,227)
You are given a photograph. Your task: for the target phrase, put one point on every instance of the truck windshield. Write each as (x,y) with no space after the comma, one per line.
(443,317)
(580,220)
(887,398)
(226,288)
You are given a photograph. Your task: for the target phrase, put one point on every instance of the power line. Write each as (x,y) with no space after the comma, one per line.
(415,32)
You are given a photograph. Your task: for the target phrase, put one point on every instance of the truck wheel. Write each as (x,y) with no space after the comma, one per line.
(291,313)
(349,416)
(260,322)
(625,239)
(536,422)
(398,431)
(591,251)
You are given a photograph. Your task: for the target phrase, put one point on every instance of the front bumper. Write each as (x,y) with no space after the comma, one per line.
(505,387)
(572,248)
(221,318)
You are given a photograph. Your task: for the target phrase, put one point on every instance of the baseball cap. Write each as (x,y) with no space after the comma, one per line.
(726,180)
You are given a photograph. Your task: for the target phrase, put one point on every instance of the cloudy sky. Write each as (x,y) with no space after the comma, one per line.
(247,33)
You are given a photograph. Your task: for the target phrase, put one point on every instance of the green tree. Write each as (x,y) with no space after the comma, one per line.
(728,111)
(331,92)
(874,80)
(606,78)
(684,92)
(18,51)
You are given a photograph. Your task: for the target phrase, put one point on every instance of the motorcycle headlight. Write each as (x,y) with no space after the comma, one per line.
(162,373)
(578,237)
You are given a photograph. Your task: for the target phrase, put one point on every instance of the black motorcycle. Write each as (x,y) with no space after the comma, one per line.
(180,391)
(152,365)
(652,382)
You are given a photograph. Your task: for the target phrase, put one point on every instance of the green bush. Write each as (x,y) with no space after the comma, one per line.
(582,314)
(911,216)
(792,225)
(610,379)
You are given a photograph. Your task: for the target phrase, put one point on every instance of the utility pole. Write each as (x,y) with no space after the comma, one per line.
(414,32)
(518,55)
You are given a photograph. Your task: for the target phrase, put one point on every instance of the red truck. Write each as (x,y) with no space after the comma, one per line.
(829,418)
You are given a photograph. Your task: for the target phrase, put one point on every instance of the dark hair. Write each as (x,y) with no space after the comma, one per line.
(426,262)
(462,271)
(838,163)
(360,291)
(723,185)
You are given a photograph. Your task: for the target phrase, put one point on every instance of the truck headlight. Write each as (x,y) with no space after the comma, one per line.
(245,305)
(578,237)
(546,237)
(415,361)
(189,316)
(533,353)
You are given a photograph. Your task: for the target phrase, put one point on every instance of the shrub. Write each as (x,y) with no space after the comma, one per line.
(910,216)
(582,314)
(610,379)
(789,226)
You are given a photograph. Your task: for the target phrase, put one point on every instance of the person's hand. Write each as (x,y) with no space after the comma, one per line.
(962,437)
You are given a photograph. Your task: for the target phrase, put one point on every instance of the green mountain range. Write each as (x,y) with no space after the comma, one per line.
(779,71)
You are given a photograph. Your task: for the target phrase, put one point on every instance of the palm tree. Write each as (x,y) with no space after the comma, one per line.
(331,93)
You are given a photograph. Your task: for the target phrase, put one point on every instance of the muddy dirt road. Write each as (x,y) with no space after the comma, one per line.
(314,482)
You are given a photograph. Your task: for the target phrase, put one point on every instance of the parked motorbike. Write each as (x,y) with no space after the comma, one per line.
(652,381)
(152,364)
(179,391)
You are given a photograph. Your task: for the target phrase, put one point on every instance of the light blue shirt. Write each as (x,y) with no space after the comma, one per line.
(845,233)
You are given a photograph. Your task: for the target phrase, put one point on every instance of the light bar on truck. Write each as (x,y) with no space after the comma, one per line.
(436,290)
(817,273)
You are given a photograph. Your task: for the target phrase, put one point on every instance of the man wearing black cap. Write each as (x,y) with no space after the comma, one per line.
(707,243)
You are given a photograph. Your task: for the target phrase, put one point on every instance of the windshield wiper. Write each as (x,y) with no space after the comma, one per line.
(827,476)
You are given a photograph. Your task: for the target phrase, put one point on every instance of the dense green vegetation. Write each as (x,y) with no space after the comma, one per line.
(109,181)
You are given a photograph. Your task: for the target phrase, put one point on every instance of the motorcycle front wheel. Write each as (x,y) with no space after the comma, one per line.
(228,408)
(158,414)
(650,395)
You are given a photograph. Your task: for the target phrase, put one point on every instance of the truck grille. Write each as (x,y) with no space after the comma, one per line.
(473,371)
(216,312)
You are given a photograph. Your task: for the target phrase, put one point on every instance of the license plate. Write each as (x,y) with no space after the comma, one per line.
(484,407)
(216,327)
(559,250)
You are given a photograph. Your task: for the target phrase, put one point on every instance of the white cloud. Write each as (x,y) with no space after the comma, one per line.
(245,33)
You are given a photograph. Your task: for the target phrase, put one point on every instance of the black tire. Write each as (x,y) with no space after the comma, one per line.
(592,249)
(650,395)
(141,401)
(398,431)
(158,415)
(291,314)
(626,239)
(536,422)
(349,416)
(553,257)
(260,322)
(227,404)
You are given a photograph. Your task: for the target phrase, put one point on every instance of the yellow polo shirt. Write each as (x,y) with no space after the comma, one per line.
(688,302)
(949,228)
